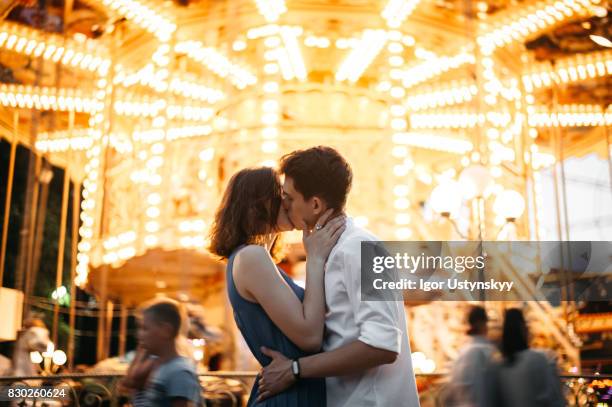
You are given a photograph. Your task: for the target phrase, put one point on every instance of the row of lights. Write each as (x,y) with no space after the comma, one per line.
(270,115)
(33,43)
(396,11)
(154,165)
(362,55)
(567,70)
(446,120)
(571,116)
(144,17)
(402,160)
(63,140)
(153,108)
(173,133)
(79,140)
(447,144)
(68,99)
(529,21)
(271,10)
(46,98)
(154,156)
(443,96)
(148,76)
(432,68)
(119,248)
(193,233)
(218,63)
(90,184)
(289,55)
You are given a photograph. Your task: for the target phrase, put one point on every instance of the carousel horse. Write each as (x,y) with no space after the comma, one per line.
(33,337)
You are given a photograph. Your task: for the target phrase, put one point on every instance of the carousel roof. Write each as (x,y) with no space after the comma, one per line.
(152,105)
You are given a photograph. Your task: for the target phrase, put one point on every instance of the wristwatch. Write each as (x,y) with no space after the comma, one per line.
(295,368)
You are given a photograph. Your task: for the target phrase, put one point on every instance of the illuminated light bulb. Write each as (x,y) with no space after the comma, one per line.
(151,240)
(403,233)
(270,105)
(402,203)
(59,357)
(207,154)
(270,119)
(152,226)
(599,40)
(396,60)
(397,92)
(400,170)
(270,133)
(397,110)
(509,204)
(402,219)
(239,45)
(36,357)
(270,87)
(445,198)
(399,152)
(401,190)
(269,163)
(395,48)
(154,199)
(398,124)
(475,181)
(269,146)
(271,68)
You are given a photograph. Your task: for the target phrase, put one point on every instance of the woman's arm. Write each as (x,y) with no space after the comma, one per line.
(257,276)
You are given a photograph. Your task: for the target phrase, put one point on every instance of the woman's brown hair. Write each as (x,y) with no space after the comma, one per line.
(249,209)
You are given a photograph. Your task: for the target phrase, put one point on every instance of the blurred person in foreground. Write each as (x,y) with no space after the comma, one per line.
(525,377)
(469,372)
(158,375)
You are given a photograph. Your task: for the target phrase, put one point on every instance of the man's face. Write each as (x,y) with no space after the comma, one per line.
(298,209)
(151,334)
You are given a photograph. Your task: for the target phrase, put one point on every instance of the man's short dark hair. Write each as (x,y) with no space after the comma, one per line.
(319,171)
(165,312)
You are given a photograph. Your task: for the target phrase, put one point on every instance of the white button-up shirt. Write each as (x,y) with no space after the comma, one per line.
(381,324)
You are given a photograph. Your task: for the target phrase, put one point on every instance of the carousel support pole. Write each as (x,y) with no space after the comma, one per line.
(61,245)
(108,329)
(9,194)
(608,147)
(102,299)
(29,233)
(555,140)
(569,278)
(76,192)
(46,175)
(123,329)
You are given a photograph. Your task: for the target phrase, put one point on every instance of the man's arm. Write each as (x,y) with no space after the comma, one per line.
(348,359)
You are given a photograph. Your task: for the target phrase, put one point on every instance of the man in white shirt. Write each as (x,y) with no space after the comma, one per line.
(366,358)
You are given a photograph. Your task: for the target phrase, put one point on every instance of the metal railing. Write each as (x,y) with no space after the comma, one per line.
(232,388)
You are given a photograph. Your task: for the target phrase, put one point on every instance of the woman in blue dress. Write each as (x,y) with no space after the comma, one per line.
(269,308)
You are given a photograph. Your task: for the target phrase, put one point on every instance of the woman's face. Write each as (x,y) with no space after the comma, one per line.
(283,224)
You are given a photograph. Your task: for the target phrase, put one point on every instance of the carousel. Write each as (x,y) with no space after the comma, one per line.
(458,118)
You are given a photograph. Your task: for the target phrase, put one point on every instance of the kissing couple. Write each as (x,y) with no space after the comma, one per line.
(322,345)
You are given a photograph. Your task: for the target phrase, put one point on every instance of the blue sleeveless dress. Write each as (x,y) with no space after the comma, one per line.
(259,330)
